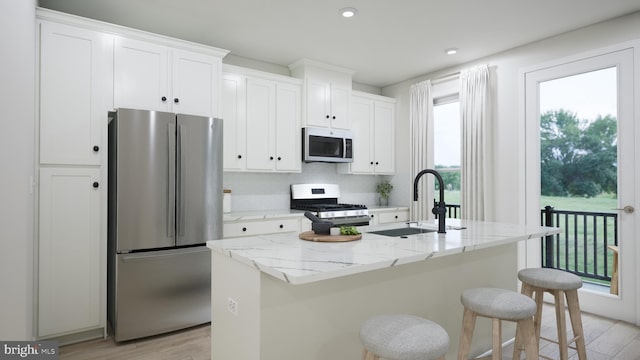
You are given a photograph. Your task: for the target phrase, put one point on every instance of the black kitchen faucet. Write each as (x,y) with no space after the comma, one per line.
(439,208)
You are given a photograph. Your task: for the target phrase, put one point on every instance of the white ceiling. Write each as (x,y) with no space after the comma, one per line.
(389,41)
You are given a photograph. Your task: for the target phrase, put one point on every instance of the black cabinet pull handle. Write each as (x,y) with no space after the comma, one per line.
(95,184)
(244,229)
(239,156)
(96,148)
(164,98)
(176,100)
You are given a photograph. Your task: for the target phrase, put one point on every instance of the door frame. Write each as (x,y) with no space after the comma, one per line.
(625,306)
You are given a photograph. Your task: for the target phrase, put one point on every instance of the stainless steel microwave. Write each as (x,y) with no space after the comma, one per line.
(327,145)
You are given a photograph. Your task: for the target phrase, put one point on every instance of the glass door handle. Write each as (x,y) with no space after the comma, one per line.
(627,209)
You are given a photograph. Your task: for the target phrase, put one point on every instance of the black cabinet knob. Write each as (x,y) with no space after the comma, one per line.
(334,117)
(239,156)
(164,98)
(96,148)
(396,216)
(279,158)
(372,163)
(328,116)
(95,184)
(176,100)
(372,216)
(376,163)
(244,229)
(270,157)
(281,226)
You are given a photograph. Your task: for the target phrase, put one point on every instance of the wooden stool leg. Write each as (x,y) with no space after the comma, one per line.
(468,324)
(497,340)
(531,292)
(530,343)
(561,323)
(576,323)
(518,343)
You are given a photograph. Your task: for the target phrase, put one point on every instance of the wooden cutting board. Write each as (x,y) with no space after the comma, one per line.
(311,236)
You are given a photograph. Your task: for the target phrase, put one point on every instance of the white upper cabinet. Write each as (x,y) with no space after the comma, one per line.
(75,81)
(233,111)
(327,93)
(373,126)
(261,114)
(140,75)
(195,83)
(327,104)
(273,126)
(156,77)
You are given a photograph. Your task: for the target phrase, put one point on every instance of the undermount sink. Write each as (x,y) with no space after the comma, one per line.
(404,231)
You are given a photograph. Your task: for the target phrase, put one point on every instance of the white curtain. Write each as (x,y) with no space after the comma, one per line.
(421,125)
(474,113)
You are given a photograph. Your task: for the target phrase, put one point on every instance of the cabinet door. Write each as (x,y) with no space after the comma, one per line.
(384,156)
(69,295)
(195,83)
(261,114)
(363,142)
(75,71)
(288,130)
(340,97)
(140,75)
(318,103)
(233,112)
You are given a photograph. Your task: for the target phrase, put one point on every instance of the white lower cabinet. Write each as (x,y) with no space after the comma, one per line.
(70,296)
(258,227)
(388,216)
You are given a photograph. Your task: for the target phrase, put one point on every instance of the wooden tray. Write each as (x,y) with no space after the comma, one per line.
(311,236)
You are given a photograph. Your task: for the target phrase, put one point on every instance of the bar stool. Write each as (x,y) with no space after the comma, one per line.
(498,305)
(560,284)
(403,337)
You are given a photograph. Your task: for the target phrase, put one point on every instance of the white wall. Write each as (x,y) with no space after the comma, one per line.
(508,185)
(17,101)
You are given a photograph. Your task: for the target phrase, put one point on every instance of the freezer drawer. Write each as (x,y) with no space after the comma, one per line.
(160,291)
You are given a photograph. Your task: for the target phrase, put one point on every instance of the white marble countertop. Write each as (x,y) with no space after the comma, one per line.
(297,261)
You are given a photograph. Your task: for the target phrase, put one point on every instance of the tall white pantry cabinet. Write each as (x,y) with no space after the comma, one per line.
(77,85)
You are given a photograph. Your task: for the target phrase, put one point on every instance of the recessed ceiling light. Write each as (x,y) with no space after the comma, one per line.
(451,51)
(348,12)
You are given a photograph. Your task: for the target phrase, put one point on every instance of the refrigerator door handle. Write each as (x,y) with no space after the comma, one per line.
(180,194)
(171,191)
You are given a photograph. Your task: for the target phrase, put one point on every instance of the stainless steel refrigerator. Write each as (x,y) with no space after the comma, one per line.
(165,202)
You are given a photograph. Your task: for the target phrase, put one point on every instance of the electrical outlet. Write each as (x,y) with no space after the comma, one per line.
(232,306)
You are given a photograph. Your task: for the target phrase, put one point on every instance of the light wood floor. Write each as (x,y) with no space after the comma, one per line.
(606,340)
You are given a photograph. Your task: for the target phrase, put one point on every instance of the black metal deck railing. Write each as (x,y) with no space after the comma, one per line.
(453,211)
(582,245)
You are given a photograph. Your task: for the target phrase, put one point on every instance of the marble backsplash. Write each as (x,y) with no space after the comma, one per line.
(271,191)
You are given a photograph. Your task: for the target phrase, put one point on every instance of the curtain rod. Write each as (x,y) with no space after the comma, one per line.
(445,77)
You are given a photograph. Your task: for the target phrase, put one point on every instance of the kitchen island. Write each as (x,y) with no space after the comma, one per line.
(276,297)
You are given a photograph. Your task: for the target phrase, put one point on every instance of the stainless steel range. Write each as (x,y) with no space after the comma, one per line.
(322,200)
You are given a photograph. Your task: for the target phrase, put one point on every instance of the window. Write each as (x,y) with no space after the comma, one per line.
(446,147)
